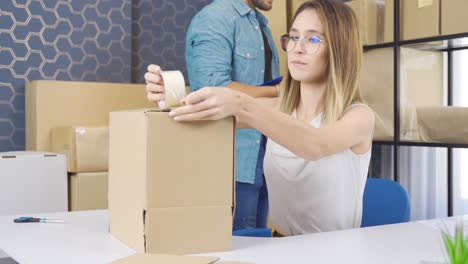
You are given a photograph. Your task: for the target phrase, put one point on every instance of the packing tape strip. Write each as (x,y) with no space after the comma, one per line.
(174,85)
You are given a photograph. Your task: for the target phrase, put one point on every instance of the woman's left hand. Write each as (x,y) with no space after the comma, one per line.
(209,103)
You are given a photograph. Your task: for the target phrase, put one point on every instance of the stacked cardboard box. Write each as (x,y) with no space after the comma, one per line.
(72,118)
(420,86)
(428,18)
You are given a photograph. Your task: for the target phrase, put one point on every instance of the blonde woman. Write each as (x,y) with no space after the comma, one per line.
(319,132)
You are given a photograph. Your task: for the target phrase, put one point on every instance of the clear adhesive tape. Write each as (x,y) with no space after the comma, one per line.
(174,85)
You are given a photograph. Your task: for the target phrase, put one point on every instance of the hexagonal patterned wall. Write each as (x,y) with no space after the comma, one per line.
(83,40)
(159,28)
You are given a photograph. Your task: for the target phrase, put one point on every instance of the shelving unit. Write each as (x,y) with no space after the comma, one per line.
(448,44)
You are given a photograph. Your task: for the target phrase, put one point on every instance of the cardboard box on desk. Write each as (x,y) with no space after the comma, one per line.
(453,16)
(420,18)
(86,148)
(88,191)
(52,104)
(171,184)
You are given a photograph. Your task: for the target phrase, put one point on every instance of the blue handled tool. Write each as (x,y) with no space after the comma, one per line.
(29,219)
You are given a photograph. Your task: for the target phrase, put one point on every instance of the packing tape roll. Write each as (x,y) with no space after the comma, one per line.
(174,85)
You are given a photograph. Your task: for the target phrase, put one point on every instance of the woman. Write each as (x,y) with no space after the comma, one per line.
(320,133)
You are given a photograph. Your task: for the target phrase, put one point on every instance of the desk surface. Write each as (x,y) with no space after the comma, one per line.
(84,238)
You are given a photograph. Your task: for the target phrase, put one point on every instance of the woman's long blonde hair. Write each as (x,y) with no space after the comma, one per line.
(344,60)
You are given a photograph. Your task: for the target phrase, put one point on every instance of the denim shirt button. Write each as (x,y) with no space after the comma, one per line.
(258,141)
(256,27)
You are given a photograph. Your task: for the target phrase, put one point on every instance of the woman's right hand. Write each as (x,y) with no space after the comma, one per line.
(155,85)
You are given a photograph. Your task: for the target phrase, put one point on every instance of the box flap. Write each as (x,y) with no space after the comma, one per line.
(166,259)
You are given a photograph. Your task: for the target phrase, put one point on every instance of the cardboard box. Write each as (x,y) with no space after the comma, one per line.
(420,18)
(165,259)
(171,184)
(88,191)
(52,104)
(387,9)
(366,13)
(443,124)
(32,182)
(421,77)
(453,16)
(377,89)
(86,148)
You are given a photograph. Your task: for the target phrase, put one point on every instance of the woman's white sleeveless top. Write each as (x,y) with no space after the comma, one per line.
(315,196)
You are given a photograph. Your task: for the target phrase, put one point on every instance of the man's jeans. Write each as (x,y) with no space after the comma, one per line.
(252,199)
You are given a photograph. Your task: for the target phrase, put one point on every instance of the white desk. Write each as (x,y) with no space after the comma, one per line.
(85,239)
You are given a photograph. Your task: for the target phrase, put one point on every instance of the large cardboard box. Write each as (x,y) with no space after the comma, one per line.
(86,148)
(52,104)
(88,191)
(443,124)
(386,8)
(171,184)
(453,16)
(366,13)
(421,82)
(420,18)
(32,182)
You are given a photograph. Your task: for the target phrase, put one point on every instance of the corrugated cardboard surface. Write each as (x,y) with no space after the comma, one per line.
(421,80)
(164,259)
(171,184)
(52,104)
(388,21)
(443,124)
(420,18)
(88,191)
(127,170)
(454,16)
(191,229)
(179,151)
(86,148)
(366,13)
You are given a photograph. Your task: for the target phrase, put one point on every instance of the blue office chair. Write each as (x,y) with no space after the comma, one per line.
(385,202)
(253,232)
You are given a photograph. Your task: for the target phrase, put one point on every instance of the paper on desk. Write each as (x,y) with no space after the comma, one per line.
(167,259)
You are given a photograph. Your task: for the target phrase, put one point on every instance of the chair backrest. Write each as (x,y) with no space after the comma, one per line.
(385,202)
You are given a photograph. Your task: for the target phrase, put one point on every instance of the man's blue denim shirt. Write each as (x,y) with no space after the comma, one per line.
(224,44)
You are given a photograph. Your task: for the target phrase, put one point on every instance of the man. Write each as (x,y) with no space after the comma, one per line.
(229,44)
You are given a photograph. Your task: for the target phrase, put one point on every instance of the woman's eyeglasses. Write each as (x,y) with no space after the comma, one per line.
(308,45)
